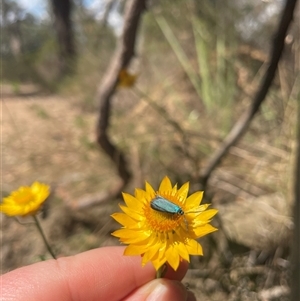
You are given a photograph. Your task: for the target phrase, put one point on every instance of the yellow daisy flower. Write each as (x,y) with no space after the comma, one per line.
(163,225)
(26,200)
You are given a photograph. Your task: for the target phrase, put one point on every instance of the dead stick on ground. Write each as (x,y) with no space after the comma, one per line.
(243,123)
(121,59)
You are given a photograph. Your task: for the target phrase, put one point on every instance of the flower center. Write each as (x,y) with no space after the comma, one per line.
(162,221)
(24,196)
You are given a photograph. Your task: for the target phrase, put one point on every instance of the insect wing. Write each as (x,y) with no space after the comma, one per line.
(163,205)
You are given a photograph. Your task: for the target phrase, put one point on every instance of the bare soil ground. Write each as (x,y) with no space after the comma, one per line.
(46,138)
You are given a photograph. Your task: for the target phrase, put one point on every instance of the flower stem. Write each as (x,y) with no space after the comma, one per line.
(160,273)
(43,236)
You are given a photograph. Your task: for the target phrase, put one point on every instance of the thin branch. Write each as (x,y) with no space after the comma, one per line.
(107,10)
(274,292)
(243,123)
(121,59)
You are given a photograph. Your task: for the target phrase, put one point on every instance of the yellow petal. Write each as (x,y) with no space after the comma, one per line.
(41,190)
(124,220)
(130,236)
(172,257)
(205,216)
(133,250)
(157,261)
(197,209)
(183,191)
(150,191)
(203,230)
(154,248)
(11,210)
(140,194)
(194,200)
(194,248)
(182,251)
(151,253)
(174,190)
(132,202)
(133,214)
(165,186)
(160,258)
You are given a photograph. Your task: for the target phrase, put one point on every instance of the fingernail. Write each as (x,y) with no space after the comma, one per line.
(167,290)
(159,291)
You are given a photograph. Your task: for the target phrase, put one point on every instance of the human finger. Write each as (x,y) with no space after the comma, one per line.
(161,290)
(99,274)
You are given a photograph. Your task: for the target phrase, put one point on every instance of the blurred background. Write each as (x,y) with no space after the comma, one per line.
(198,66)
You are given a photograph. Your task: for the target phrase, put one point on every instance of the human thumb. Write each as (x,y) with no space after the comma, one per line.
(161,290)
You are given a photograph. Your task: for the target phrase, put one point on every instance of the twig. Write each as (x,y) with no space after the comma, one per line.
(243,123)
(107,10)
(123,54)
(274,293)
(239,272)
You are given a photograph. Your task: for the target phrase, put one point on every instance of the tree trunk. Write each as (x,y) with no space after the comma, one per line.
(63,26)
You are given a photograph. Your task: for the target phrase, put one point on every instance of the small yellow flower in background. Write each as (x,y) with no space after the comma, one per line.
(126,80)
(27,200)
(151,230)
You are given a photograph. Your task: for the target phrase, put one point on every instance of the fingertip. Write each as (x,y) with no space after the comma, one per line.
(160,289)
(191,296)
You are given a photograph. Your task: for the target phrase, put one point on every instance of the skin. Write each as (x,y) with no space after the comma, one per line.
(100,274)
